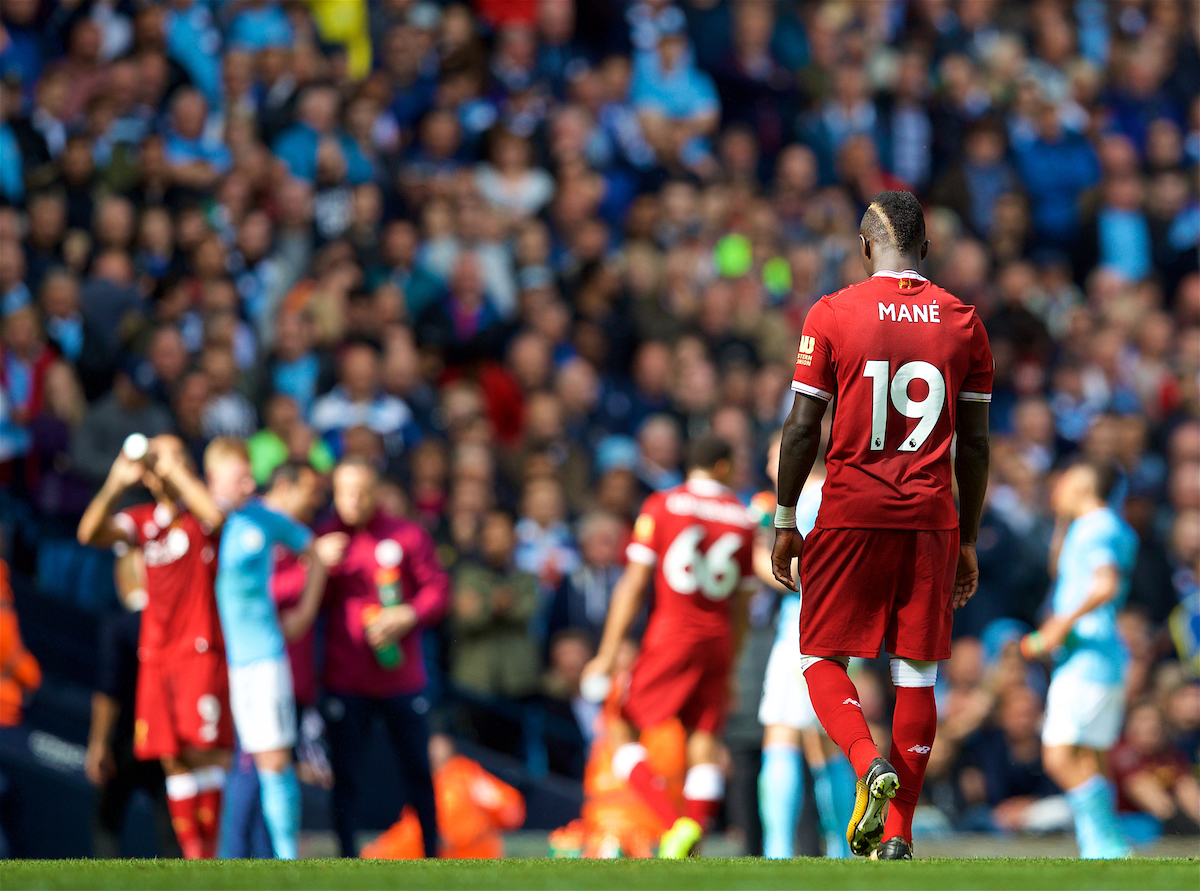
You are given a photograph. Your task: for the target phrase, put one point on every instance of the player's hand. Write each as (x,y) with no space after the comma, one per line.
(789,545)
(331,548)
(966,578)
(600,665)
(394,622)
(1053,633)
(99,764)
(125,472)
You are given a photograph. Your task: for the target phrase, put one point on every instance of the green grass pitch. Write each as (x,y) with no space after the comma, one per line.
(624,875)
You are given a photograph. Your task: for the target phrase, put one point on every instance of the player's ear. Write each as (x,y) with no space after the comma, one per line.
(866,246)
(924,248)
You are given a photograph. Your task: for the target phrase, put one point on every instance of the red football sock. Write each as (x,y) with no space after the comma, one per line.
(835,700)
(181,805)
(703,811)
(914,725)
(211,782)
(703,790)
(647,785)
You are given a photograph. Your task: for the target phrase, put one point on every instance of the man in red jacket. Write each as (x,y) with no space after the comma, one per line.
(388,587)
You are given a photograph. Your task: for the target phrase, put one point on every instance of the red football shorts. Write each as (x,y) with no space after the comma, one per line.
(864,587)
(182,703)
(686,680)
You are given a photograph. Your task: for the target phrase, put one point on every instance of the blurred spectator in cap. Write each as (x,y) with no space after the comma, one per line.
(127,408)
(358,399)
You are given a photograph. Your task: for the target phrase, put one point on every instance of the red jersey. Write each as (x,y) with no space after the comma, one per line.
(699,537)
(895,353)
(181,565)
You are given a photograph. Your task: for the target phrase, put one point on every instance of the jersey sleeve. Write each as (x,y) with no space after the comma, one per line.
(815,375)
(286,531)
(642,548)
(131,520)
(977,387)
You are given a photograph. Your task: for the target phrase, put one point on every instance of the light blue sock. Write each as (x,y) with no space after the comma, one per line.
(281,808)
(1096,827)
(780,799)
(833,786)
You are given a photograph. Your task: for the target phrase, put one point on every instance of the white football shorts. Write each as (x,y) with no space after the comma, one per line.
(785,694)
(263,703)
(1080,712)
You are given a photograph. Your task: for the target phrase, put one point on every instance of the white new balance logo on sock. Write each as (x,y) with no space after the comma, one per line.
(920,750)
(853,702)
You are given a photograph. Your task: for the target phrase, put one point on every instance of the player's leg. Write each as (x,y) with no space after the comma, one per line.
(243,831)
(264,711)
(704,785)
(835,700)
(913,727)
(347,723)
(182,798)
(780,790)
(210,767)
(1083,720)
(156,735)
(833,790)
(629,763)
(409,733)
(783,712)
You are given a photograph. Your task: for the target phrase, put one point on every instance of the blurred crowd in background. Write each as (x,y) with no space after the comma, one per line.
(517,251)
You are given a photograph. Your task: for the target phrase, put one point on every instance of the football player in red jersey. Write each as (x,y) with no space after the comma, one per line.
(907,366)
(695,541)
(182,707)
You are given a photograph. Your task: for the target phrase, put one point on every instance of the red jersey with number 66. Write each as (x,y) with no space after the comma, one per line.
(895,354)
(699,538)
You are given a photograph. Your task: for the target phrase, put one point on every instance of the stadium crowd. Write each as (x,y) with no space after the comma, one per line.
(517,252)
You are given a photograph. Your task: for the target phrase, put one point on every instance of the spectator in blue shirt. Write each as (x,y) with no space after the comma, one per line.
(676,102)
(195,161)
(315,140)
(260,24)
(195,43)
(1056,166)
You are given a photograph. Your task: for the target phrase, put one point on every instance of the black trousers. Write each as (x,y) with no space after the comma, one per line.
(348,721)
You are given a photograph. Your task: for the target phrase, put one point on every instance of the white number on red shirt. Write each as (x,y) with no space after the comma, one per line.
(927,410)
(715,572)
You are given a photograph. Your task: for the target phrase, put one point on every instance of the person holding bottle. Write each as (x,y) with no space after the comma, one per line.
(387,588)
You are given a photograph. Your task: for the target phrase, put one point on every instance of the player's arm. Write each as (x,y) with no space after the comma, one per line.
(629,594)
(971,470)
(98,763)
(1106,583)
(97,526)
(797,453)
(320,554)
(171,466)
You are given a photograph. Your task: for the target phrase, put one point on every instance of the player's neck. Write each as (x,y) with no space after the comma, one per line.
(894,261)
(1090,507)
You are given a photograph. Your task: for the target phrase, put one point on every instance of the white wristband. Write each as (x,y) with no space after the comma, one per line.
(785,517)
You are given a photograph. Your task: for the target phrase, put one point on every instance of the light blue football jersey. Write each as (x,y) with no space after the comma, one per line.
(789,607)
(1093,650)
(245,563)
